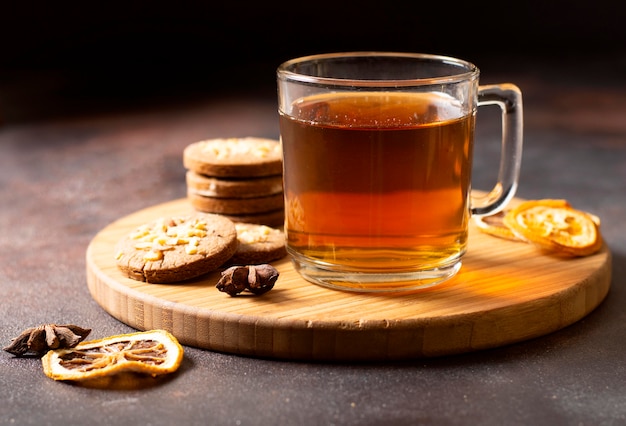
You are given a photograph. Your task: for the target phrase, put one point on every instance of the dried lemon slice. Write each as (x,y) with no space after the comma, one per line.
(152,352)
(555,225)
(494,225)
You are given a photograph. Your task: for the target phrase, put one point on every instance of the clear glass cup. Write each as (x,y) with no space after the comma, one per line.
(377,151)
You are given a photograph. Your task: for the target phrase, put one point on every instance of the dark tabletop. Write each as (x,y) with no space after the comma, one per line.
(64,178)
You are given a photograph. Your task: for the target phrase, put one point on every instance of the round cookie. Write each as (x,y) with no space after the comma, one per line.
(234,157)
(174,249)
(236,205)
(274,218)
(208,186)
(258,244)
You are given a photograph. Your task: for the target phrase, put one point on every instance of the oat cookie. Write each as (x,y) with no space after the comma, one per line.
(274,218)
(234,157)
(235,205)
(174,249)
(258,244)
(209,186)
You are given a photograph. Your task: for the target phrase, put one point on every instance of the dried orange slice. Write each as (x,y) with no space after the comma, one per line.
(494,225)
(152,352)
(555,225)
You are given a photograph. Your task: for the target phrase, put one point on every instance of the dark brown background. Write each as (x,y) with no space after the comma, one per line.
(63,58)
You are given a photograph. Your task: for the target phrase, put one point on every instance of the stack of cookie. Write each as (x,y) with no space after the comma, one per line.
(240,178)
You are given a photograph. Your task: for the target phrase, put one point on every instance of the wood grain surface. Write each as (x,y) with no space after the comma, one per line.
(506,292)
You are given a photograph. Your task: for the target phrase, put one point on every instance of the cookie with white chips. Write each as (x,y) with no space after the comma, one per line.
(175,249)
(258,244)
(234,157)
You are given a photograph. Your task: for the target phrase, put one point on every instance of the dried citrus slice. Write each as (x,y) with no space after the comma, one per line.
(152,352)
(494,225)
(555,225)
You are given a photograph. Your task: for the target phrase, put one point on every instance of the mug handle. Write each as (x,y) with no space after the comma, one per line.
(509,98)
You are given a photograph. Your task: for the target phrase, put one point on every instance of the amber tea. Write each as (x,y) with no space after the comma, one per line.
(377,181)
(377,160)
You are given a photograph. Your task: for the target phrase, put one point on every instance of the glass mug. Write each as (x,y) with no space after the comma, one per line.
(377,157)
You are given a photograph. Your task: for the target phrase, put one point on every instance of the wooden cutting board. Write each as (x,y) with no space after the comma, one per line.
(506,292)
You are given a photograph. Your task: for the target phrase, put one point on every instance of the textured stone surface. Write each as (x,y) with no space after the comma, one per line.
(63,180)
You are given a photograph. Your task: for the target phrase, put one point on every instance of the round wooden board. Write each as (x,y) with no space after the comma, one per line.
(505,292)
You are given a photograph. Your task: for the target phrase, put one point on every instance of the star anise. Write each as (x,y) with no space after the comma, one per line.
(39,340)
(257,279)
